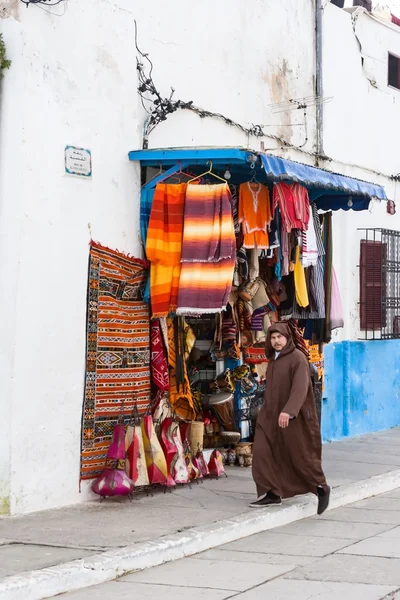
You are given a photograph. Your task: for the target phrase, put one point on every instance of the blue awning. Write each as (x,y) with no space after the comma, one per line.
(328,190)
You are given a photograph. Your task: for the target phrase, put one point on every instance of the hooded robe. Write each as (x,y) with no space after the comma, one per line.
(287,461)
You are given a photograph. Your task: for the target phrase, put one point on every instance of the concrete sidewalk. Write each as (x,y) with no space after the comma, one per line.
(350,552)
(51,552)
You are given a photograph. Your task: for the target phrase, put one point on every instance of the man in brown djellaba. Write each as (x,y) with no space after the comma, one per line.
(287,444)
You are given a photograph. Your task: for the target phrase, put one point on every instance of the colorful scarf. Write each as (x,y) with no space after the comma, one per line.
(159,366)
(298,338)
(179,348)
(164,246)
(208,251)
(146,202)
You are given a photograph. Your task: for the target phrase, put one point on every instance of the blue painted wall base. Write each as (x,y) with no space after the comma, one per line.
(362,388)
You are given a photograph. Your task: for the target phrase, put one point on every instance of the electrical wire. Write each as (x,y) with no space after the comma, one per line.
(42,2)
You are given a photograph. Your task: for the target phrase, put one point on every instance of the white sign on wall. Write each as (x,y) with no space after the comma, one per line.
(78,161)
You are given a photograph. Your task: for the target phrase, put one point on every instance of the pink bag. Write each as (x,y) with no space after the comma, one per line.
(155,459)
(216,465)
(114,481)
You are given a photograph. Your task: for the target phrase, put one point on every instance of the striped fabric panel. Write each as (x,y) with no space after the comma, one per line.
(164,246)
(205,287)
(208,233)
(164,236)
(208,252)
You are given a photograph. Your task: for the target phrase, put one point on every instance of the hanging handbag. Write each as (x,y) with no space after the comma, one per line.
(114,480)
(216,465)
(169,448)
(135,458)
(155,459)
(248,290)
(180,471)
(223,382)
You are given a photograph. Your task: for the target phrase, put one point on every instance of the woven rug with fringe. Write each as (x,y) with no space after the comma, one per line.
(117,351)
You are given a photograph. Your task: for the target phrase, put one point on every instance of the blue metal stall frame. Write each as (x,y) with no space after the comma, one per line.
(328,190)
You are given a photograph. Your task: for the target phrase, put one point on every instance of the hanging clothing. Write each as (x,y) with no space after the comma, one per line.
(309,245)
(317,311)
(159,365)
(254,214)
(208,250)
(328,267)
(287,461)
(300,282)
(234,189)
(164,246)
(279,255)
(285,250)
(180,343)
(294,204)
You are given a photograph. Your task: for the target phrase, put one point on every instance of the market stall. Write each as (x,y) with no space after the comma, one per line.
(238,240)
(235,241)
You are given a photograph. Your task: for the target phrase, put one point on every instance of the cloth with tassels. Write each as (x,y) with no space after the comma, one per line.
(208,250)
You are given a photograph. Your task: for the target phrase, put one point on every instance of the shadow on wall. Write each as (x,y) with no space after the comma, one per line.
(362,388)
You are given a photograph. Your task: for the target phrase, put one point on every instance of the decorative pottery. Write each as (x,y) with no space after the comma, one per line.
(229,438)
(248,460)
(231,458)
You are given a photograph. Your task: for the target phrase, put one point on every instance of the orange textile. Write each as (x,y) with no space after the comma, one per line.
(164,246)
(254,214)
(180,395)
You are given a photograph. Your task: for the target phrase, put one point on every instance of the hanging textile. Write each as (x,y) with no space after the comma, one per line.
(254,214)
(294,203)
(117,351)
(309,245)
(300,282)
(159,366)
(146,202)
(235,215)
(298,338)
(164,246)
(208,250)
(180,343)
(316,277)
(328,266)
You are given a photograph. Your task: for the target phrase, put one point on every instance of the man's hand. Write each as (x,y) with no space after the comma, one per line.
(284,419)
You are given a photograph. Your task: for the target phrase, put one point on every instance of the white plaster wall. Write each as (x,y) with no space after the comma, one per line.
(70,83)
(362,129)
(73,81)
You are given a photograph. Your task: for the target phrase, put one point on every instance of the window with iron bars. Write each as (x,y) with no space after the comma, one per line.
(380,284)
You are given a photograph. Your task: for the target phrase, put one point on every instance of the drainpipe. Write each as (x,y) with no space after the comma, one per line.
(319,90)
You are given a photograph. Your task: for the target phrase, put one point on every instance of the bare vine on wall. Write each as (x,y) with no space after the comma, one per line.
(159,108)
(42,2)
(4,62)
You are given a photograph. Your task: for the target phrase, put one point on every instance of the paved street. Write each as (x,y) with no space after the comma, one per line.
(352,552)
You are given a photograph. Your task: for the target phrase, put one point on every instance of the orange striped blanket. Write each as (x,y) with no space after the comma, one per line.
(208,250)
(164,246)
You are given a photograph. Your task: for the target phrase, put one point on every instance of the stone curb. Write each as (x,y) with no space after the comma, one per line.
(100,568)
